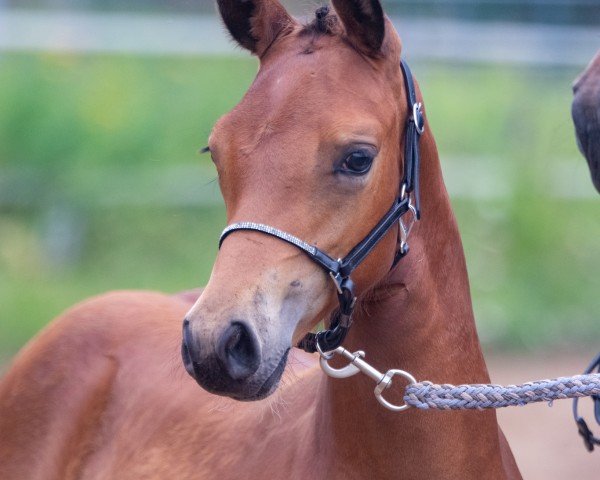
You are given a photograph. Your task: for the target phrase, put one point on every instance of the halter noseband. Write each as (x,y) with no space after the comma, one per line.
(341,269)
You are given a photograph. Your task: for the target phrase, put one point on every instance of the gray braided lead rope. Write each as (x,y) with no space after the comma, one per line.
(427,395)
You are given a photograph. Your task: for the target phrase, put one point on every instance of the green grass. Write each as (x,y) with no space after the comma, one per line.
(66,121)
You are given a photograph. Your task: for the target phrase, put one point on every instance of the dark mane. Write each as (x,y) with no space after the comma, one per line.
(324,23)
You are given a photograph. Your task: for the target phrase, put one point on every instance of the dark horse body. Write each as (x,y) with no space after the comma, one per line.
(586,116)
(102,392)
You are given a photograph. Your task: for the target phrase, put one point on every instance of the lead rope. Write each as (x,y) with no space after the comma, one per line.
(427,395)
(589,440)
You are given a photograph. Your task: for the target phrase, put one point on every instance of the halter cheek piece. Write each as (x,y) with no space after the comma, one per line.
(341,269)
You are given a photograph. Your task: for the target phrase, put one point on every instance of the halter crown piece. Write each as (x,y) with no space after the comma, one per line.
(341,269)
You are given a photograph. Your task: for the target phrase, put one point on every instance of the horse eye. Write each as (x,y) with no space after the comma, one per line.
(357,163)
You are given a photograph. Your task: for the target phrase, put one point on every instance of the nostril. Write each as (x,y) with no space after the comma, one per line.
(240,346)
(238,351)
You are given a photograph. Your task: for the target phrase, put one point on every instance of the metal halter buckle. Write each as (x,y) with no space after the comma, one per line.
(403,191)
(322,354)
(337,280)
(418,117)
(406,227)
(358,364)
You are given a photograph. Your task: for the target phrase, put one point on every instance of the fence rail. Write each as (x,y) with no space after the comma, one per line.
(426,39)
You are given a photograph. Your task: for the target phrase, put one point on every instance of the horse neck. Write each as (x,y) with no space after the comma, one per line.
(421,316)
(419,319)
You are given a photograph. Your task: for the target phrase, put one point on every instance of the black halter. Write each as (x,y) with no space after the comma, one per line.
(341,269)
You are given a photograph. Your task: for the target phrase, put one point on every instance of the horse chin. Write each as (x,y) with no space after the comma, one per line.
(271,383)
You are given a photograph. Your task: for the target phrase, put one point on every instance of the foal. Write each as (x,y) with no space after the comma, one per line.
(314,148)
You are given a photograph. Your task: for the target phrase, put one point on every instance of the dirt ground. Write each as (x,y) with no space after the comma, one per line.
(544,439)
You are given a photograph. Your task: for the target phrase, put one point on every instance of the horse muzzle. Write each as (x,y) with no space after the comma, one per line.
(232,363)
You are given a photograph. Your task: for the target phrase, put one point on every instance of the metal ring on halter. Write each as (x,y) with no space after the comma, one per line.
(403,191)
(406,228)
(336,282)
(418,115)
(326,355)
(386,382)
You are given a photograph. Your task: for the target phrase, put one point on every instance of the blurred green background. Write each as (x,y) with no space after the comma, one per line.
(102,188)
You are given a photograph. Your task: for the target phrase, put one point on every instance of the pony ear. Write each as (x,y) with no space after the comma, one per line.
(364,23)
(254,24)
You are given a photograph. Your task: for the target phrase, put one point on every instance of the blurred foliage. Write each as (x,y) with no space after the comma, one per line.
(113,125)
(81,111)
